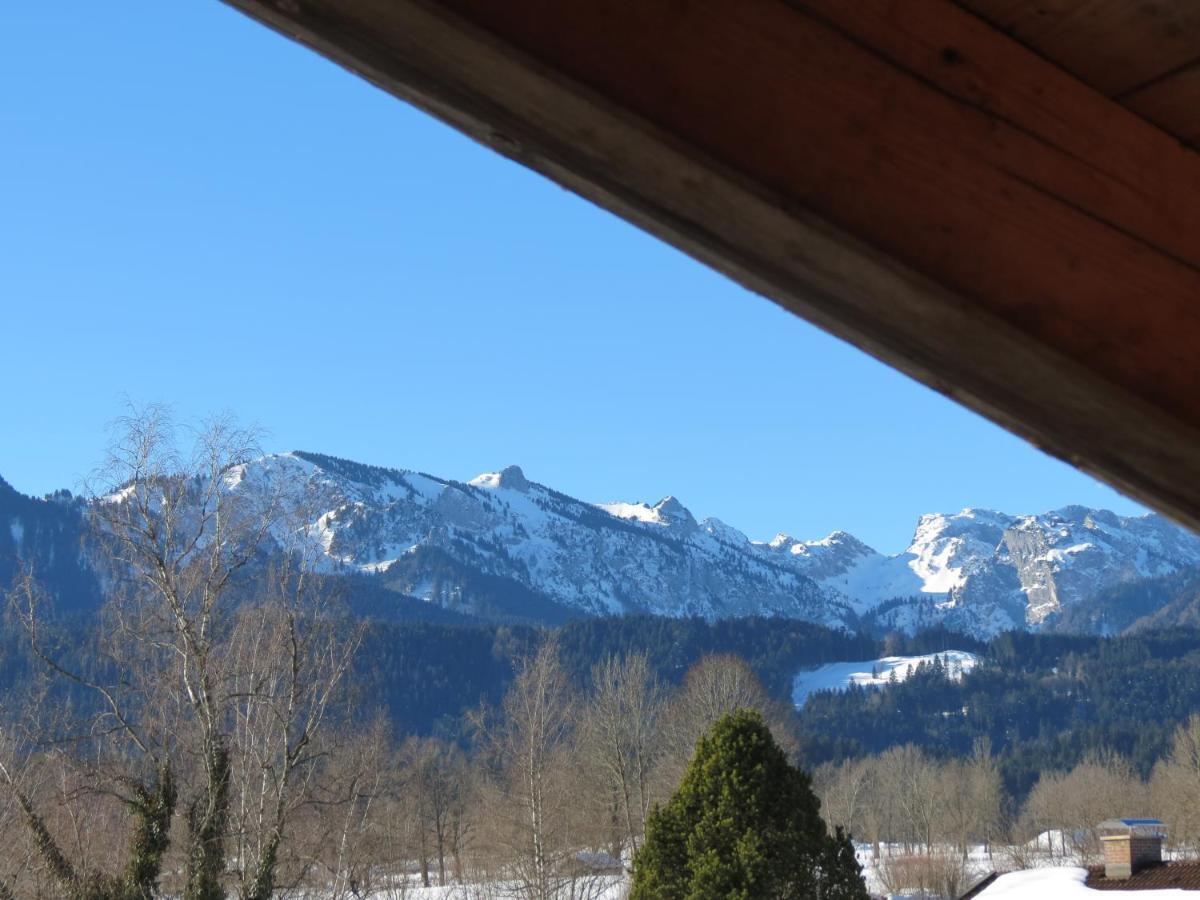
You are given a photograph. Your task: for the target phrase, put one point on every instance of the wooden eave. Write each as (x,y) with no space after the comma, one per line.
(958,189)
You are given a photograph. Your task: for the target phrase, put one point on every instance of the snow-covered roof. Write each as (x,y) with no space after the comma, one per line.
(1069,883)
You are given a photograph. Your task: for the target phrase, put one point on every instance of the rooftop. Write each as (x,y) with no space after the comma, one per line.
(1183,876)
(1161,882)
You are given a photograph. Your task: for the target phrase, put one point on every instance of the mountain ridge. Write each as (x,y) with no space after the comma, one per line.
(502,544)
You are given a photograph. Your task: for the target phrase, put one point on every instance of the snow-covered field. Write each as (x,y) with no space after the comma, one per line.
(874,672)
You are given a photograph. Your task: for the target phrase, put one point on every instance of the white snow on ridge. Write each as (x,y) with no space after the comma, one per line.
(640,512)
(875,673)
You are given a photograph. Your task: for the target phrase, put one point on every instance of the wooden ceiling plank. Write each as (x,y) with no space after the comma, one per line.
(1173,104)
(1115,46)
(852,190)
(1001,214)
(1099,163)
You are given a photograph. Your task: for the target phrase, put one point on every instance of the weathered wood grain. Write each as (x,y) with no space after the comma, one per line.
(1115,46)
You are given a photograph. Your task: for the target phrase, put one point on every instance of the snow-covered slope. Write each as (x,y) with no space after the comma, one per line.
(876,673)
(844,565)
(612,558)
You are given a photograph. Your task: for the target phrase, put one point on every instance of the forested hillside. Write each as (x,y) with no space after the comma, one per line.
(427,675)
(1044,702)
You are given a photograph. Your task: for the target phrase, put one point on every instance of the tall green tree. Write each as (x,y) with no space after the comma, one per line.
(743,825)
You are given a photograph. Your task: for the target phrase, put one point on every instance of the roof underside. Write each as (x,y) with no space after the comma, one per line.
(1143,55)
(997,197)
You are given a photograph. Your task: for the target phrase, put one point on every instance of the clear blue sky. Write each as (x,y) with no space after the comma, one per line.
(195,211)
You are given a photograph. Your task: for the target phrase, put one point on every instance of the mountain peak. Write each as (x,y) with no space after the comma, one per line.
(510,478)
(842,539)
(513,478)
(670,509)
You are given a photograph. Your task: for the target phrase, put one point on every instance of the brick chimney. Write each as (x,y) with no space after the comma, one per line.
(1130,845)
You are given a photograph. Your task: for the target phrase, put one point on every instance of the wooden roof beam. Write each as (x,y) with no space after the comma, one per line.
(901,174)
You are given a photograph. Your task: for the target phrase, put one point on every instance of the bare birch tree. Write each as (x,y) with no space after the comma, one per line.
(535,813)
(188,688)
(286,659)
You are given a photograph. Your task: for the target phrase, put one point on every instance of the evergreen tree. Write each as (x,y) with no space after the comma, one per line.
(743,825)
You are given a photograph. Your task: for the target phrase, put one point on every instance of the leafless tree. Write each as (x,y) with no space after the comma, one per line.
(845,791)
(715,686)
(438,786)
(176,538)
(1175,787)
(126,762)
(985,786)
(910,781)
(535,815)
(621,735)
(211,669)
(1101,787)
(345,833)
(969,796)
(285,659)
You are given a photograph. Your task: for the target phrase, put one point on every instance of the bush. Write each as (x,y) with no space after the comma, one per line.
(941,875)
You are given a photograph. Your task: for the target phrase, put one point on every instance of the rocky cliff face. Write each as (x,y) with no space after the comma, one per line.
(982,571)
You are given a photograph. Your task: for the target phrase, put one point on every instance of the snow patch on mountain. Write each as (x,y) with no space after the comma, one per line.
(847,567)
(876,673)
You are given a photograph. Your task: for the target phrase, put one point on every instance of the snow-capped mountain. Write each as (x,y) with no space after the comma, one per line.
(504,545)
(982,571)
(434,538)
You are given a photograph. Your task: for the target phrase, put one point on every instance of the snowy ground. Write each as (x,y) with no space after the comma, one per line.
(617,888)
(603,888)
(1045,875)
(874,672)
